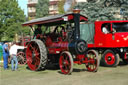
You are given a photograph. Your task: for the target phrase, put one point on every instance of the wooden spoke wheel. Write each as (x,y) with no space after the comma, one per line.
(36,55)
(21,58)
(66,62)
(93,61)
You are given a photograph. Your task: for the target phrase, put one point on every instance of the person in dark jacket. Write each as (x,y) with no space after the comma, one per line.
(5,55)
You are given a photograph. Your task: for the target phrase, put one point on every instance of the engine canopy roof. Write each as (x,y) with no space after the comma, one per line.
(54,20)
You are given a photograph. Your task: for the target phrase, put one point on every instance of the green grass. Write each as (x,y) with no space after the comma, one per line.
(105,76)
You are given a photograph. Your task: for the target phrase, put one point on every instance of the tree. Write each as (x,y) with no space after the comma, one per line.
(61,7)
(11,17)
(102,9)
(42,8)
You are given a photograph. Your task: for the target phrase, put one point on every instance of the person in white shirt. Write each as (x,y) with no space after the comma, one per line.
(13,55)
(105,30)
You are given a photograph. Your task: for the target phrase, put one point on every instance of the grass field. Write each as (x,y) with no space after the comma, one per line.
(105,76)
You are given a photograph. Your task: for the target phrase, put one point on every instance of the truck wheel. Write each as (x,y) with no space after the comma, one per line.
(93,61)
(66,62)
(124,60)
(118,59)
(21,58)
(109,58)
(36,55)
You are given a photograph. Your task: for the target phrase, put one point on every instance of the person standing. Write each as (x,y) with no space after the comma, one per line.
(5,55)
(13,55)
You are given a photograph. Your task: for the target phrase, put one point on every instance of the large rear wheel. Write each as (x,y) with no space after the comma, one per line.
(66,62)
(93,61)
(36,55)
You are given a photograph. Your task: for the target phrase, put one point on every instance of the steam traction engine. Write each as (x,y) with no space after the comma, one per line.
(60,43)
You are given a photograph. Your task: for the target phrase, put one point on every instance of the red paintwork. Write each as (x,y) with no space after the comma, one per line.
(65,63)
(109,58)
(102,40)
(56,47)
(59,46)
(81,59)
(22,58)
(93,62)
(33,63)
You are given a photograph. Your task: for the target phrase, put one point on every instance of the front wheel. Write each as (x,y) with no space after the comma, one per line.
(66,62)
(109,58)
(93,61)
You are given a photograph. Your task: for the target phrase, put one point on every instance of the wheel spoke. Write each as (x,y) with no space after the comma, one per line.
(66,63)
(21,58)
(93,62)
(36,56)
(36,63)
(30,46)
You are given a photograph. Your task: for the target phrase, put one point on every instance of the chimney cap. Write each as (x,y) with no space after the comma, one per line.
(76,10)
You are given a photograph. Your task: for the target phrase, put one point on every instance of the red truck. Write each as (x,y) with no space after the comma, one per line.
(110,45)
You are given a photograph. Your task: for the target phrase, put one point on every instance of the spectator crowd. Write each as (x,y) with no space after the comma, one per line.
(9,51)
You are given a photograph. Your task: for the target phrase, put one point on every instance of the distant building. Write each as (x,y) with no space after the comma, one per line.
(32,8)
(53,7)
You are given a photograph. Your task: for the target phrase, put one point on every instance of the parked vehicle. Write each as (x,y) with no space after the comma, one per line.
(60,43)
(111,45)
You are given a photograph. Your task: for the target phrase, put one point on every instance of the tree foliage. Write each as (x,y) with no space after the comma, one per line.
(103,9)
(42,8)
(61,7)
(11,17)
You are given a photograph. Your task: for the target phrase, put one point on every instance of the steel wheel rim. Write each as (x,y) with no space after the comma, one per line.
(65,63)
(21,58)
(92,61)
(33,56)
(110,58)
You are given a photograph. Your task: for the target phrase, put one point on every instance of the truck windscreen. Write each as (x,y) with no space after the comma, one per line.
(120,27)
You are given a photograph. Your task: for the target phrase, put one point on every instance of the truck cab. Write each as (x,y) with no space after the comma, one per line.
(111,44)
